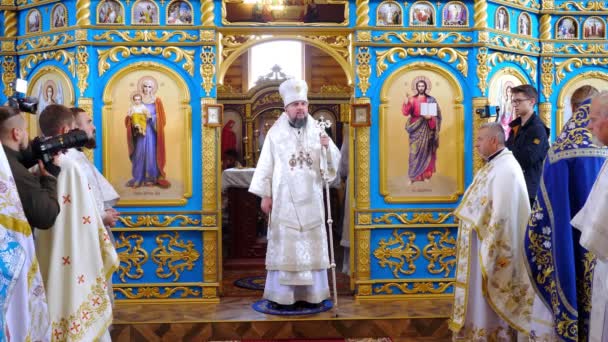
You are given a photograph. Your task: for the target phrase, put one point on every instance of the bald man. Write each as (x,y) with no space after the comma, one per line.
(38,193)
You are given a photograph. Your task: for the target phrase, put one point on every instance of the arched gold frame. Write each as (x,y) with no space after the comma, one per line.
(577,28)
(508,71)
(567,88)
(465,8)
(27,21)
(167,13)
(459,143)
(124,13)
(507,18)
(378,13)
(411,14)
(65,12)
(225,64)
(582,28)
(522,15)
(32,120)
(187,110)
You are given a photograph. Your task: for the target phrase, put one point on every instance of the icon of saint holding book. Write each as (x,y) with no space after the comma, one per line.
(423,125)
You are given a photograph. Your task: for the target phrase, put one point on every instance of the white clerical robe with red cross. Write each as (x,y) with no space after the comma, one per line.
(76,260)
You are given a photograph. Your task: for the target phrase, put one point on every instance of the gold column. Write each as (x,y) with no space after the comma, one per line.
(480,9)
(8,63)
(478,103)
(249,142)
(207,15)
(362,13)
(545,112)
(83,12)
(210,158)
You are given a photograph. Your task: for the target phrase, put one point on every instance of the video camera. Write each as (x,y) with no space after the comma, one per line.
(45,148)
(27,104)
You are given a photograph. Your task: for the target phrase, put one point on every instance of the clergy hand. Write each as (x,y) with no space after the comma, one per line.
(111,217)
(267,205)
(324,140)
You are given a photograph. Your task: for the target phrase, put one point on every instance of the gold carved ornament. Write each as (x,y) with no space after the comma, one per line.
(480,16)
(364,36)
(174,256)
(400,260)
(589,49)
(207,35)
(62,56)
(482,70)
(417,218)
(44,42)
(417,288)
(178,54)
(8,74)
(145,36)
(546,77)
(207,68)
(570,64)
(153,221)
(83,12)
(452,56)
(362,12)
(10,24)
(544,27)
(210,256)
(525,62)
(548,4)
(154,292)
(207,16)
(363,253)
(364,70)
(514,43)
(423,37)
(362,167)
(440,252)
(580,6)
(530,4)
(209,151)
(82,68)
(132,257)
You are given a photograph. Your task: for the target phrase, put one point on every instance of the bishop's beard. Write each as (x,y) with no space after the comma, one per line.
(298,123)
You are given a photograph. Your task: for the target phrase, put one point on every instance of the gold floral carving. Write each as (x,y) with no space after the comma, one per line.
(153,221)
(362,12)
(416,288)
(363,253)
(173,256)
(483,37)
(583,6)
(80,35)
(482,70)
(207,36)
(525,62)
(364,70)
(363,166)
(44,42)
(210,256)
(179,55)
(10,24)
(417,218)
(8,45)
(590,48)
(335,89)
(364,219)
(548,47)
(209,292)
(533,4)
(514,43)
(440,252)
(83,12)
(61,56)
(207,16)
(132,257)
(364,36)
(480,17)
(423,37)
(155,292)
(8,2)
(544,27)
(546,76)
(207,68)
(209,150)
(364,290)
(269,98)
(82,68)
(548,4)
(573,63)
(452,56)
(8,74)
(398,254)
(209,220)
(145,36)
(545,113)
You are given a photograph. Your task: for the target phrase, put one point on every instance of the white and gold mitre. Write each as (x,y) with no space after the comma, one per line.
(293,90)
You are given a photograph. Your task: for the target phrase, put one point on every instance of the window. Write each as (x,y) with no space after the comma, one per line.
(286,54)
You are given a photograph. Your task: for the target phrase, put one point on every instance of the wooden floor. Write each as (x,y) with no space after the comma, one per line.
(234,319)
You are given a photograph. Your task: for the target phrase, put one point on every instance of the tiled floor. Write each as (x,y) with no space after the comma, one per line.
(234,319)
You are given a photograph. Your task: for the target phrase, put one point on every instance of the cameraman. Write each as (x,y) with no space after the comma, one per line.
(38,194)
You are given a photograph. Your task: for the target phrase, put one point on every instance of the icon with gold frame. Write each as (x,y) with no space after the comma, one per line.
(361,113)
(214,114)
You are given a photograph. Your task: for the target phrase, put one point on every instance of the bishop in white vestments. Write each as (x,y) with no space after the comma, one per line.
(76,255)
(23,307)
(592,220)
(288,179)
(492,295)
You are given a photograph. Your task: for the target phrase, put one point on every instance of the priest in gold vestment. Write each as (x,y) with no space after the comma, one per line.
(493,294)
(289,181)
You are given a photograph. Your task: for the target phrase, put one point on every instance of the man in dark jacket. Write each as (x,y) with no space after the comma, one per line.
(529,140)
(38,194)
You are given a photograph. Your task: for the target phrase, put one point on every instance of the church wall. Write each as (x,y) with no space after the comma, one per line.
(403,237)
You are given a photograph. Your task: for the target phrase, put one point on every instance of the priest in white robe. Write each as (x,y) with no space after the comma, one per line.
(76,255)
(492,295)
(592,220)
(289,181)
(23,306)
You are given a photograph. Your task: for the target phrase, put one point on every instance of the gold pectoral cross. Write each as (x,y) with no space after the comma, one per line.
(301,159)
